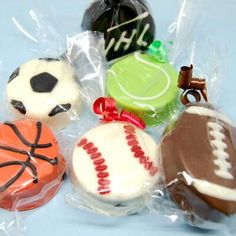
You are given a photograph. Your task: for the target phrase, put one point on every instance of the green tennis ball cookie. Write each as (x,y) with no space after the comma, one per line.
(144,87)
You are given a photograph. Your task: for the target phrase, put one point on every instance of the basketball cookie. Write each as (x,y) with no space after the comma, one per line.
(121,167)
(45,89)
(143,86)
(199,162)
(31,167)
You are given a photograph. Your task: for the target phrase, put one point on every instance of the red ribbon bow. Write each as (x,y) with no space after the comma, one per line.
(106,106)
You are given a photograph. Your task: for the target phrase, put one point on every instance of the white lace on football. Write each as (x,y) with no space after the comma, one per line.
(219,150)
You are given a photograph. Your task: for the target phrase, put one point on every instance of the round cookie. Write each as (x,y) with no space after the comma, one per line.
(31,167)
(127,25)
(143,86)
(121,167)
(45,89)
(199,162)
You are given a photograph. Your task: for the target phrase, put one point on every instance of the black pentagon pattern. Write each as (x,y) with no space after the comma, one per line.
(49,59)
(18,105)
(59,109)
(14,74)
(43,83)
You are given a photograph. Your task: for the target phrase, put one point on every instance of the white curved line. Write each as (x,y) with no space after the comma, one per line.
(23,30)
(140,17)
(136,55)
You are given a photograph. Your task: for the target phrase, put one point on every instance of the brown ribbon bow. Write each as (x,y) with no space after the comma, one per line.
(191,86)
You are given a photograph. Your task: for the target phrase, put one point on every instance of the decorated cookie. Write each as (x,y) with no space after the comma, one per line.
(31,167)
(127,25)
(45,89)
(145,87)
(199,162)
(114,166)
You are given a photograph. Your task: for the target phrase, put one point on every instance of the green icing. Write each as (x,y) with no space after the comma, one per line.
(145,87)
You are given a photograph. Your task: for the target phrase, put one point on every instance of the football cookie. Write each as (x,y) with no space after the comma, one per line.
(144,87)
(127,25)
(199,162)
(45,89)
(114,166)
(31,167)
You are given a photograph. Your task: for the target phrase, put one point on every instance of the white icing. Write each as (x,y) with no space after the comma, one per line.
(140,41)
(202,111)
(217,138)
(211,189)
(39,105)
(129,179)
(144,98)
(109,46)
(140,17)
(127,41)
(215,190)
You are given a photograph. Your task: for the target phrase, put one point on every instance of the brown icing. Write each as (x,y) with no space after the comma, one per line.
(186,151)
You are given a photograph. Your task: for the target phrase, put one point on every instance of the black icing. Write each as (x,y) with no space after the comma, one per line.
(113,2)
(18,105)
(43,83)
(103,15)
(120,205)
(29,155)
(14,74)
(59,109)
(49,59)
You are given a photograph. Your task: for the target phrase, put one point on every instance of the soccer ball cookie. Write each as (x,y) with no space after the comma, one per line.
(31,167)
(45,89)
(114,166)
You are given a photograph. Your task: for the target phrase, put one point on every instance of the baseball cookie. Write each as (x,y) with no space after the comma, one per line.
(31,167)
(199,162)
(127,25)
(114,166)
(45,89)
(143,86)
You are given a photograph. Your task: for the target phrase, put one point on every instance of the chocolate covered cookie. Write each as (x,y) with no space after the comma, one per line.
(142,85)
(114,168)
(199,162)
(45,89)
(31,166)
(127,25)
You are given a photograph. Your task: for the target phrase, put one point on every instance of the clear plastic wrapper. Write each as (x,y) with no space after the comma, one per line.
(145,84)
(197,149)
(32,167)
(127,25)
(46,91)
(32,170)
(197,157)
(121,163)
(75,69)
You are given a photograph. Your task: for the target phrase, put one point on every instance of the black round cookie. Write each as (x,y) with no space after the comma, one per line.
(127,25)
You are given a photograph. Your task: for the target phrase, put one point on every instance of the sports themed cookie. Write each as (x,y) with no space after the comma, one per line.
(31,167)
(199,162)
(145,87)
(127,25)
(114,166)
(45,89)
